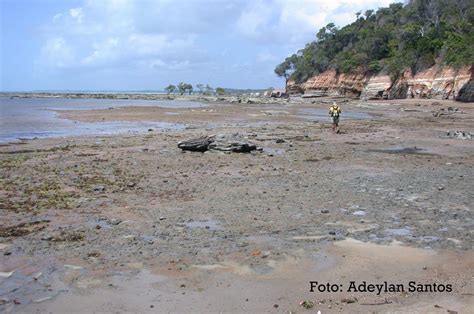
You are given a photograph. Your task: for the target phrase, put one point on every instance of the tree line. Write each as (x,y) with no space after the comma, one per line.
(390,40)
(204,89)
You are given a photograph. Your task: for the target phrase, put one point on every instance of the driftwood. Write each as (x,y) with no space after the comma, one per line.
(221,142)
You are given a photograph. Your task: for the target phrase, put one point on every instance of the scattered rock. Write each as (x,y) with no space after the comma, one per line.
(307,304)
(42,299)
(349,300)
(359,213)
(325,211)
(23,228)
(221,142)
(63,235)
(231,143)
(460,135)
(93,254)
(99,188)
(445,112)
(73,267)
(115,221)
(280,140)
(196,145)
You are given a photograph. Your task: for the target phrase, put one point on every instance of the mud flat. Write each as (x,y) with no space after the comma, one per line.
(129,222)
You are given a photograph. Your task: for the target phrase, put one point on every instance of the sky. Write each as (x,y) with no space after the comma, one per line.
(147,45)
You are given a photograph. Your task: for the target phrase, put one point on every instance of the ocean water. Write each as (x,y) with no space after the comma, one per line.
(28,118)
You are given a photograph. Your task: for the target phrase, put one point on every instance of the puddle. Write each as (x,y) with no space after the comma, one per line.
(322,114)
(26,286)
(205,224)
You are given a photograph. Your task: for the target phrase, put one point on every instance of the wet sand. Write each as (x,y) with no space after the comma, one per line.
(142,226)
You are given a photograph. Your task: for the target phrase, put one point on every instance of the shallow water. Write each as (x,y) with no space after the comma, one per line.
(27,118)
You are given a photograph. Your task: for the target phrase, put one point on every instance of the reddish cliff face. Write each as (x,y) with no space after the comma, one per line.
(332,83)
(435,82)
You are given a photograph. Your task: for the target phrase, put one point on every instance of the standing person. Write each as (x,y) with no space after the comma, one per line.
(334,112)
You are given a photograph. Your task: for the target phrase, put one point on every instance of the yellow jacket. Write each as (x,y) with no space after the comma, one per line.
(334,111)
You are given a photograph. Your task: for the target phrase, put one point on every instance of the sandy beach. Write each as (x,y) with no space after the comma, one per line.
(129,222)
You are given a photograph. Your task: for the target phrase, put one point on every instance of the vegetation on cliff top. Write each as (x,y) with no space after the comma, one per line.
(390,40)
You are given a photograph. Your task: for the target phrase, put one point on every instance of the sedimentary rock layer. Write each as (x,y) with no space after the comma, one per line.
(435,82)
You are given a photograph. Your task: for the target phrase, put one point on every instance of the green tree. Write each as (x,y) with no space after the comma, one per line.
(220,91)
(201,88)
(188,88)
(287,67)
(391,39)
(182,87)
(208,90)
(170,89)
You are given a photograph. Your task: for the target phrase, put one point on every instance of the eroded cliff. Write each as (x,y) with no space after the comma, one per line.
(435,82)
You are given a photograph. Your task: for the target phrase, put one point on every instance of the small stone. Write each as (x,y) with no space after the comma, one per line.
(6,274)
(349,300)
(324,211)
(275,305)
(74,267)
(115,221)
(99,188)
(93,254)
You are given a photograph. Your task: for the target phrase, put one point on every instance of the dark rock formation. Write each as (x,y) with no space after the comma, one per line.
(196,145)
(222,142)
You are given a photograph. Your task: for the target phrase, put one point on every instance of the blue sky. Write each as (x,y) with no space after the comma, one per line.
(146,45)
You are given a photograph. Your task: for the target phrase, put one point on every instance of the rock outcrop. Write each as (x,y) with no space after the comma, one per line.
(435,82)
(221,142)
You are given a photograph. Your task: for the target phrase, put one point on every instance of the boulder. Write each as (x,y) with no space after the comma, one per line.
(200,144)
(231,143)
(222,142)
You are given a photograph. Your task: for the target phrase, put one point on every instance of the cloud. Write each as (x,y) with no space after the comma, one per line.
(104,53)
(57,52)
(266,56)
(205,36)
(281,21)
(77,14)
